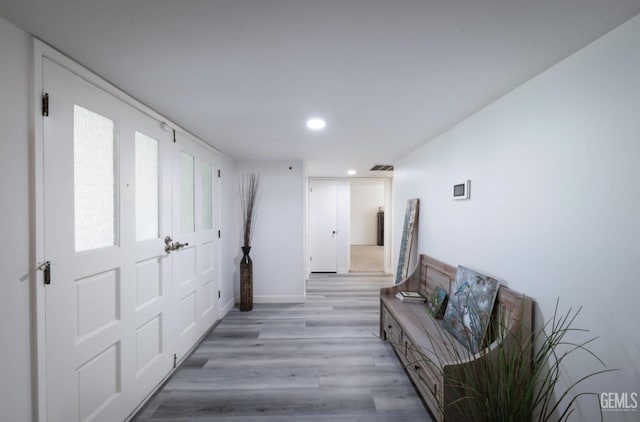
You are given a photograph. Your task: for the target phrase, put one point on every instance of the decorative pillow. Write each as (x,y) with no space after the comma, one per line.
(469,308)
(437,302)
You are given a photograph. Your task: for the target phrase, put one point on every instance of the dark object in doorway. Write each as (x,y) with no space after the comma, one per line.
(380,241)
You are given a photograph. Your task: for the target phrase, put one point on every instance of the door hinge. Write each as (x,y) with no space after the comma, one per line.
(174,136)
(218,173)
(310,258)
(45,104)
(46,268)
(218,294)
(219,234)
(175,360)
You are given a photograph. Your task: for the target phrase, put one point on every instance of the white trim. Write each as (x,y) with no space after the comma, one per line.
(227,307)
(343,270)
(37,159)
(217,226)
(388,235)
(279,299)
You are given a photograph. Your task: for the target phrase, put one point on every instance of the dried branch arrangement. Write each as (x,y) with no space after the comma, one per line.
(248,193)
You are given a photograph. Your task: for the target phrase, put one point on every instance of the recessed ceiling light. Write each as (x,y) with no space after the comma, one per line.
(351,172)
(316,124)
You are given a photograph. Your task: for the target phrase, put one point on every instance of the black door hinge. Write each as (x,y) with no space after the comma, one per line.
(218,294)
(218,173)
(219,234)
(174,136)
(175,360)
(45,104)
(45,267)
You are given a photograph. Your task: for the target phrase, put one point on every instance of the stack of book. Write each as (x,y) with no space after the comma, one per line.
(409,296)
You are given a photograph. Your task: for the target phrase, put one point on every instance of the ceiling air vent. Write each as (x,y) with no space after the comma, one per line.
(382,167)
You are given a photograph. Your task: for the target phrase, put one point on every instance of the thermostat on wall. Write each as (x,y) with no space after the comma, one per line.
(462,190)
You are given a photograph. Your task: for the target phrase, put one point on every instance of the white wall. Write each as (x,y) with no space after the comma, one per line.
(555,199)
(277,248)
(15,316)
(305,201)
(343,235)
(367,196)
(229,227)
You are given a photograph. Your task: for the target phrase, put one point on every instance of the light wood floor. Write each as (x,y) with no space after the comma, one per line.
(367,258)
(318,362)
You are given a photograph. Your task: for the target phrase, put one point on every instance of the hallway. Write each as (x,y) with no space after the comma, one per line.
(318,361)
(367,258)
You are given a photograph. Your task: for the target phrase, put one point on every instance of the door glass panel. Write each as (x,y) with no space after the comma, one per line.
(147,196)
(206,197)
(94,179)
(187,197)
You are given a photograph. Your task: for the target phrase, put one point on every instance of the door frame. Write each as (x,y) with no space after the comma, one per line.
(387,182)
(338,232)
(40,50)
(344,223)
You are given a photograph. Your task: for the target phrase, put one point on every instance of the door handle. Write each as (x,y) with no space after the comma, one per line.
(167,243)
(177,245)
(173,246)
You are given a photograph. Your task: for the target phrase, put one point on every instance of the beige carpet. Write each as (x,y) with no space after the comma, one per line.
(367,258)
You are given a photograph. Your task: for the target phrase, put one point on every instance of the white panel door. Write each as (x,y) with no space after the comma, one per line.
(195,265)
(106,209)
(323,209)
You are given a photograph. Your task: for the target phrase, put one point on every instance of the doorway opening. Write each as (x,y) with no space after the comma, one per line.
(349,226)
(367,240)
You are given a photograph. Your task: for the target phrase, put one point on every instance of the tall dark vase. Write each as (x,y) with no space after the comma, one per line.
(246,280)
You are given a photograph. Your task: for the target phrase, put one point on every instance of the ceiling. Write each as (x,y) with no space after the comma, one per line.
(388,76)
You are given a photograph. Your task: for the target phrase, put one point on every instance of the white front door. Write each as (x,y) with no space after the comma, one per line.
(105,178)
(323,208)
(119,310)
(195,281)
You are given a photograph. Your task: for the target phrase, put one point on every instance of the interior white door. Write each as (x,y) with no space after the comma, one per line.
(106,209)
(195,264)
(323,209)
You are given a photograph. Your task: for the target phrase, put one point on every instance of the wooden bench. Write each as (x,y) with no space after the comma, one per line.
(419,340)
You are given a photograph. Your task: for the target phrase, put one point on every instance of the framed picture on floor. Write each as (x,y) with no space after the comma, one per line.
(408,230)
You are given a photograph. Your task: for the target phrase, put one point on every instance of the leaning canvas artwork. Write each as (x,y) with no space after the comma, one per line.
(469,308)
(437,302)
(410,217)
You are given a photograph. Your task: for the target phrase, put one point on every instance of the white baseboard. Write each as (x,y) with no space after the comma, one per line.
(227,307)
(342,271)
(278,299)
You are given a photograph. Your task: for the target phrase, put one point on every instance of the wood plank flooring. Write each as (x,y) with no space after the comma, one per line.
(314,362)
